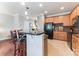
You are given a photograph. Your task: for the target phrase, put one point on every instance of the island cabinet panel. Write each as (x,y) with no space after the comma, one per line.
(35,45)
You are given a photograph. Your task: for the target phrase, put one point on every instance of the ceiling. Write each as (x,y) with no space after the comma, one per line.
(34,9)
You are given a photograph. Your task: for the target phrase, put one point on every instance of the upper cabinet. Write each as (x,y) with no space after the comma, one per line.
(59,19)
(48,19)
(73,15)
(66,20)
(55,19)
(77,9)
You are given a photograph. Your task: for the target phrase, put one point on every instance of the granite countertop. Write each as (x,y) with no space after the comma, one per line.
(36,33)
(32,33)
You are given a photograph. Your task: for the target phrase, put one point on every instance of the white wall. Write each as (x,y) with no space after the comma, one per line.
(8,21)
(18,22)
(21,21)
(40,22)
(26,25)
(6,24)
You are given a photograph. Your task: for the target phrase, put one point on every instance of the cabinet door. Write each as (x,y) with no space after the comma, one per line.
(73,14)
(60,19)
(77,46)
(49,19)
(62,36)
(77,10)
(66,21)
(73,43)
(55,35)
(55,19)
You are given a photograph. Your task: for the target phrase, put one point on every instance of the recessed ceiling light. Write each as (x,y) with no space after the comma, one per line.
(27,17)
(61,8)
(40,5)
(26,13)
(22,3)
(45,12)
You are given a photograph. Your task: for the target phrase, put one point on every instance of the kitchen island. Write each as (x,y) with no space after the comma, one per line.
(35,44)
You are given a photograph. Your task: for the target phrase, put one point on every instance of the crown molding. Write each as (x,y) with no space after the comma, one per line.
(59,14)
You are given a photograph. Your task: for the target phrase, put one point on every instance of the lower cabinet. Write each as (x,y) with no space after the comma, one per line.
(75,44)
(60,35)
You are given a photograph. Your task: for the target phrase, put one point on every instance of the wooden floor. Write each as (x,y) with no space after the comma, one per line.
(55,48)
(7,48)
(59,48)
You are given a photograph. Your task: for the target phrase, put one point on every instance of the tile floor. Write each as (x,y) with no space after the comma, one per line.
(59,48)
